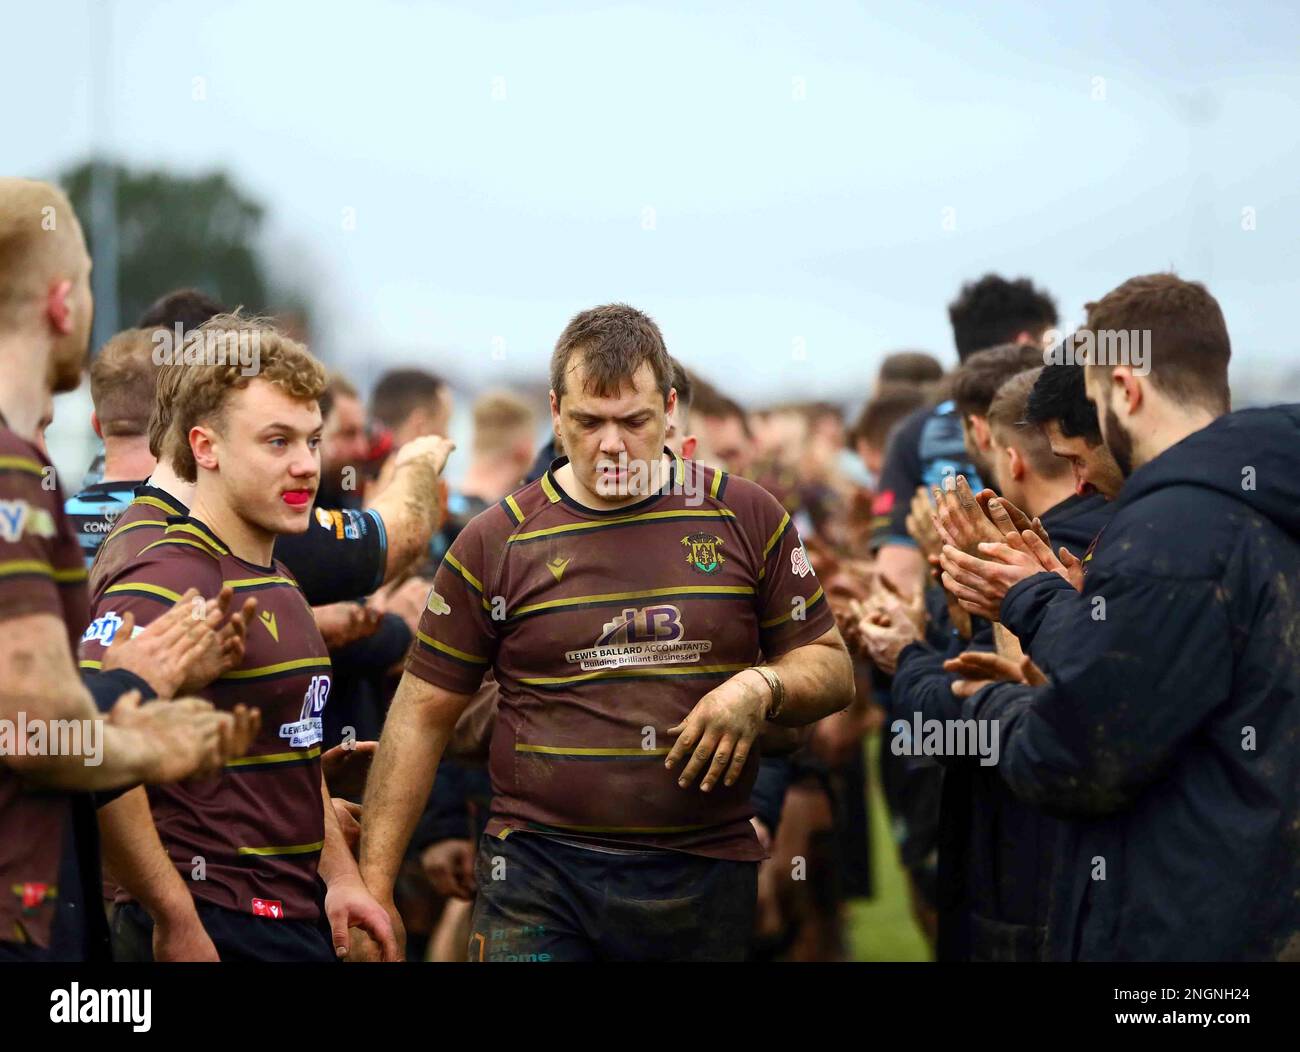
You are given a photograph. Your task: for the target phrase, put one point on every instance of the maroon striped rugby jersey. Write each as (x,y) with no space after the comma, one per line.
(258,826)
(41,572)
(604,628)
(141,523)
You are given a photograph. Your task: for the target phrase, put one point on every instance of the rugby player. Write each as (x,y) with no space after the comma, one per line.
(46,826)
(622,601)
(264,828)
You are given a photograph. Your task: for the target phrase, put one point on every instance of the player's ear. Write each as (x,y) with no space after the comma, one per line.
(94,424)
(203,446)
(57,308)
(689,444)
(1015,463)
(1132,392)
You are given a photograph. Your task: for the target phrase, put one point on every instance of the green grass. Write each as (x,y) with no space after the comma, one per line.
(882,928)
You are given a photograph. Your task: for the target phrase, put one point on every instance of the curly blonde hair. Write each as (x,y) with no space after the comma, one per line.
(198,378)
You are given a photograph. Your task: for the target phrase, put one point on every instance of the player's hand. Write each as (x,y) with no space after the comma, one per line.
(407,600)
(346,766)
(181,739)
(980,584)
(720,731)
(978,669)
(349,905)
(920,524)
(449,866)
(431,449)
(884,629)
(958,517)
(182,938)
(344,623)
(160,653)
(217,647)
(349,816)
(1008,518)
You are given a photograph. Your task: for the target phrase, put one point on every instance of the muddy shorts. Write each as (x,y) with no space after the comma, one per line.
(541,899)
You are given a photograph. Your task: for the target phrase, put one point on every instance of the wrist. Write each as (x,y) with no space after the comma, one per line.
(772,692)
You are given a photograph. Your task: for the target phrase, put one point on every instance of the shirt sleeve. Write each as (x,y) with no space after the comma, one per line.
(792,608)
(28,532)
(342,555)
(899,477)
(457,638)
(147,587)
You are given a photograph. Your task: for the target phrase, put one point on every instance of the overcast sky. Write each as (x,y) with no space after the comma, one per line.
(791,190)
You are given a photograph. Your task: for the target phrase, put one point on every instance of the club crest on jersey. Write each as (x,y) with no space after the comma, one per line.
(799,563)
(648,635)
(704,552)
(102,629)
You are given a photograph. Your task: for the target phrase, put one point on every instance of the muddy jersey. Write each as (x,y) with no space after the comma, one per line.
(604,629)
(250,838)
(41,572)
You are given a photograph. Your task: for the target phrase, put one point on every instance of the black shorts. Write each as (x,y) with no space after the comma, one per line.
(541,899)
(237,936)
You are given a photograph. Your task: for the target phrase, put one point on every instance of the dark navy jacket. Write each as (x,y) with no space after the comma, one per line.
(996,853)
(1169,732)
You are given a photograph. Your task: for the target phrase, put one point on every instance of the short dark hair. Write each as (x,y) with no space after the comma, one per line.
(400,392)
(909,367)
(1189,338)
(887,407)
(1060,395)
(615,340)
(122,382)
(978,378)
(682,382)
(994,310)
(190,307)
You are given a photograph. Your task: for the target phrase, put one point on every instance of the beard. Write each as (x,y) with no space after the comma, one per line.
(1119,442)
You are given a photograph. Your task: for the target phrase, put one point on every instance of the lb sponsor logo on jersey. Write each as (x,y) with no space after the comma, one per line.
(308,730)
(18,517)
(102,629)
(704,552)
(799,563)
(649,635)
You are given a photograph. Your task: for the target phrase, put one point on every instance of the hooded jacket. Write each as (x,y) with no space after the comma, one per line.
(1169,732)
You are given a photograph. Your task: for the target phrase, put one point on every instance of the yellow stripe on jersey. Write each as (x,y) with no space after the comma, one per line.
(454,563)
(185,527)
(514,507)
(18,566)
(283,666)
(814,598)
(566,750)
(284,849)
(154,502)
(648,593)
(622,520)
(253,582)
(21,464)
(634,672)
(450,650)
(771,541)
(185,541)
(141,522)
(142,586)
(716,484)
(552,494)
(94,666)
(72,576)
(276,757)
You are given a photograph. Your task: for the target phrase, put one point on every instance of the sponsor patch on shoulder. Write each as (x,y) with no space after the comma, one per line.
(437,604)
(102,629)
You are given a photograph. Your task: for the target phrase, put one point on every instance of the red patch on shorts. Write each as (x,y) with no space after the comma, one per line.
(272,908)
(883,503)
